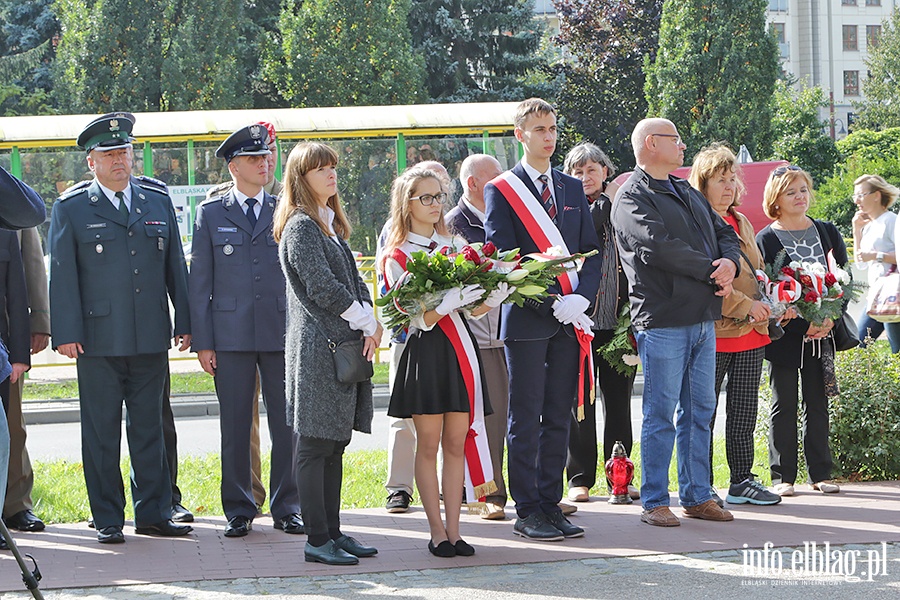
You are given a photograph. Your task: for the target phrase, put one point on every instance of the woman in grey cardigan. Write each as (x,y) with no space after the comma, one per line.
(326,297)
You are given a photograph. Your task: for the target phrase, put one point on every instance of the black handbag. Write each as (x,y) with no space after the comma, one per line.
(845,333)
(350,365)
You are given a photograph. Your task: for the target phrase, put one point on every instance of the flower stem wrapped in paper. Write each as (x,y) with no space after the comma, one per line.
(428,276)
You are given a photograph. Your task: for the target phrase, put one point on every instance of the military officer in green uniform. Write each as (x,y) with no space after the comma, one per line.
(116,260)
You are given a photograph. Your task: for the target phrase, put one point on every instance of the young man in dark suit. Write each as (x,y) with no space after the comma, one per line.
(116,262)
(238,304)
(534,207)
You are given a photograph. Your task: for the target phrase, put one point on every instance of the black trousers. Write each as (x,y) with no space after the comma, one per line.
(170,437)
(320,473)
(614,391)
(814,420)
(103,383)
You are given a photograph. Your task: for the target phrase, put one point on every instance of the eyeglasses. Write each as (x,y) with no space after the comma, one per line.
(670,135)
(782,170)
(429,199)
(861,196)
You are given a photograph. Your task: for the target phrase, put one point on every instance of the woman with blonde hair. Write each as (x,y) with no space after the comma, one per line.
(741,333)
(327,301)
(429,385)
(806,349)
(873,246)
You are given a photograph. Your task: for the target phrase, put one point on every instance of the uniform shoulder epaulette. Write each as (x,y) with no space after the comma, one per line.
(149,183)
(74,190)
(219,190)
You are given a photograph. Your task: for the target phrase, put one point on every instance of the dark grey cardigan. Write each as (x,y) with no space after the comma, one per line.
(321,277)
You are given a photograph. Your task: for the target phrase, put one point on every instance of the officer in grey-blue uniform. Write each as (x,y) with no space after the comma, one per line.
(116,260)
(237,297)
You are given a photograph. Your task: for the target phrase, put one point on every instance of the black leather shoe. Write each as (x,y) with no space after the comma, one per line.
(443,550)
(180,514)
(352,546)
(559,521)
(536,527)
(25,520)
(164,528)
(91,522)
(238,526)
(111,535)
(328,553)
(292,523)
(463,548)
(3,544)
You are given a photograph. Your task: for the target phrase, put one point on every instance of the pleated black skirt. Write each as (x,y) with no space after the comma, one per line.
(428,380)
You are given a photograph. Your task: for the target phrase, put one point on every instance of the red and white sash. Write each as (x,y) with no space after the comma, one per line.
(545,234)
(479,469)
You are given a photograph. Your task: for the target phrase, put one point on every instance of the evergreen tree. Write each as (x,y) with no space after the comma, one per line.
(881,107)
(602,98)
(150,55)
(344,53)
(476,50)
(714,74)
(27,28)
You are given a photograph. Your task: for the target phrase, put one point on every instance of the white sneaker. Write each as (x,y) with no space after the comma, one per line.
(783,489)
(826,487)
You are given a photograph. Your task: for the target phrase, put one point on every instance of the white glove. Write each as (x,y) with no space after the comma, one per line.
(459,297)
(503,291)
(567,308)
(584,323)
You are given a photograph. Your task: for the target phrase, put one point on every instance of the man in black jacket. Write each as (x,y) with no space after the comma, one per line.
(680,259)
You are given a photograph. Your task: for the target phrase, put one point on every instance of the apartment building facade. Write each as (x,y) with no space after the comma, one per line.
(825,43)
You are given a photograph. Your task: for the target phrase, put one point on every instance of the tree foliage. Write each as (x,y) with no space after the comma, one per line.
(476,50)
(150,55)
(602,98)
(715,72)
(863,152)
(344,53)
(26,31)
(881,106)
(798,134)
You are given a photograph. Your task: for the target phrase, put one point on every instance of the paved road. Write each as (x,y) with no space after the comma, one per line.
(666,576)
(200,435)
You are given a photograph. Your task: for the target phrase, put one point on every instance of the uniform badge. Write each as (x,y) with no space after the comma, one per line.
(99,248)
(228,250)
(226,229)
(255,132)
(114,125)
(94,199)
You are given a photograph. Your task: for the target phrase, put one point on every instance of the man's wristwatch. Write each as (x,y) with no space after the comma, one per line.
(879,256)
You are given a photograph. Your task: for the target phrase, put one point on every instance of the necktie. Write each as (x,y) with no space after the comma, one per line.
(123,208)
(251,212)
(547,198)
(432,245)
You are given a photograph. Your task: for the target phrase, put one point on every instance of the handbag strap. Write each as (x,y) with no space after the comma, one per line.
(331,344)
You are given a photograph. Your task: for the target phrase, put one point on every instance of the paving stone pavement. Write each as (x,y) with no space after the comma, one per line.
(618,556)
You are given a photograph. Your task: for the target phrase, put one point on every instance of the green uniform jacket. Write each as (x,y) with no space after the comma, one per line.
(109,280)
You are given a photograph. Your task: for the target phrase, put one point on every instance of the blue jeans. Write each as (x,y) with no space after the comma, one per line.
(869,327)
(679,365)
(4,455)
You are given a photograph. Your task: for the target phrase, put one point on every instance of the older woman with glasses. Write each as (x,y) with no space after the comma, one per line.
(593,167)
(873,245)
(806,349)
(742,332)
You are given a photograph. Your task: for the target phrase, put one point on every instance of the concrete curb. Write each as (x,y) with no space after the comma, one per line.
(43,412)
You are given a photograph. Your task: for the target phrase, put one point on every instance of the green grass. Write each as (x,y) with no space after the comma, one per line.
(182,383)
(60,495)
